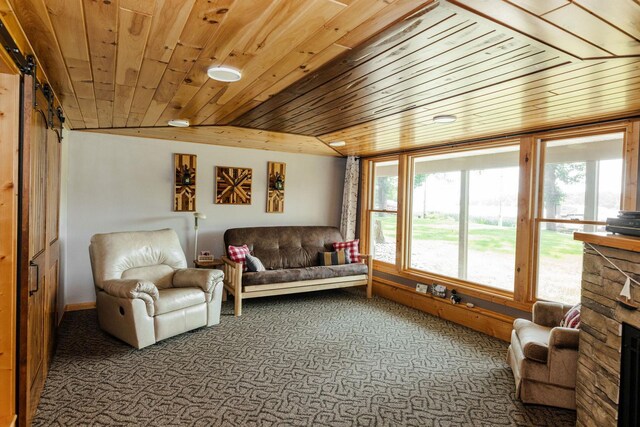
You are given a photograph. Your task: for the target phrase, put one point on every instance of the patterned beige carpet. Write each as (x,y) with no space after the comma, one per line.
(320,359)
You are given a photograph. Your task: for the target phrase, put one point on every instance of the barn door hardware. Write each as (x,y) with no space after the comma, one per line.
(28,66)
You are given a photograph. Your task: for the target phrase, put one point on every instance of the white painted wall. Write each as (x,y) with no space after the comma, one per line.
(117,183)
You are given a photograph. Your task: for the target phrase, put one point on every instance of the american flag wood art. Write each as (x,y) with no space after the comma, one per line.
(233,186)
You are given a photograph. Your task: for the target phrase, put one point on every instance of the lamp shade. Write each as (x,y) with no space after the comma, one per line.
(199,215)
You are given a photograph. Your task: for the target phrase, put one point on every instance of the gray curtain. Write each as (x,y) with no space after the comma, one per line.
(350,198)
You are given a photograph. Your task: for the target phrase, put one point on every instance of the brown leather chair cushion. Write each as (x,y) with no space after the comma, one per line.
(285,247)
(305,273)
(534,339)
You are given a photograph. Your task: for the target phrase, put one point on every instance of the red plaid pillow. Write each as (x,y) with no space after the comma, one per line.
(572,318)
(238,253)
(351,248)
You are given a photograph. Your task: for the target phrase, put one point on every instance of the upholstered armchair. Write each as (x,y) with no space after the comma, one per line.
(144,290)
(544,357)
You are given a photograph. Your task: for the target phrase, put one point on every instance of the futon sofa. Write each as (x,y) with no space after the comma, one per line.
(144,290)
(290,256)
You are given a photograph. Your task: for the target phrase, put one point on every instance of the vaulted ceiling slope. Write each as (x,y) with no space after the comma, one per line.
(370,72)
(499,66)
(131,63)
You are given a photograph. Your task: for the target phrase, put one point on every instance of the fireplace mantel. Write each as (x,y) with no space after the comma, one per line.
(617,241)
(602,316)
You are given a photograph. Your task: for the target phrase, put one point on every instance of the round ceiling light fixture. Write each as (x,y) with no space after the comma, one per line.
(444,118)
(224,74)
(179,123)
(337,144)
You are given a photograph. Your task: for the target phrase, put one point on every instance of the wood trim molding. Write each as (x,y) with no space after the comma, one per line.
(631,153)
(230,136)
(9,421)
(403,211)
(76,307)
(478,319)
(9,129)
(524,228)
(365,204)
(616,241)
(583,130)
(477,291)
(80,306)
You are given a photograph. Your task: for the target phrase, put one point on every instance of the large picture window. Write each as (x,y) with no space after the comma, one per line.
(580,186)
(384,211)
(496,219)
(464,213)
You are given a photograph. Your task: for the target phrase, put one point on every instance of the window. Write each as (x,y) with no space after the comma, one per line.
(580,186)
(496,219)
(384,212)
(464,215)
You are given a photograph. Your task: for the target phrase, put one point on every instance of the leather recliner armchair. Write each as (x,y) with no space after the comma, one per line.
(544,357)
(144,290)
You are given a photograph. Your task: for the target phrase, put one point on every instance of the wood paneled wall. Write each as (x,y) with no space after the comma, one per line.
(9,141)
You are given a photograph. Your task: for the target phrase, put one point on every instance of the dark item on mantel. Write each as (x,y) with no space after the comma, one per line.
(627,223)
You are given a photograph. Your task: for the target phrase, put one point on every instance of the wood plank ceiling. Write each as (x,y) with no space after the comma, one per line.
(497,66)
(370,72)
(130,63)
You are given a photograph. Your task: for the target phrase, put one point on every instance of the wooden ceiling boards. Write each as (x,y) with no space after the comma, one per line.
(231,136)
(370,72)
(454,60)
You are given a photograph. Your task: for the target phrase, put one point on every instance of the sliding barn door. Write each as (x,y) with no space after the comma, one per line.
(39,249)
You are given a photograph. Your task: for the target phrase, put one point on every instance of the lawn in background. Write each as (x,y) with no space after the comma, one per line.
(486,237)
(559,272)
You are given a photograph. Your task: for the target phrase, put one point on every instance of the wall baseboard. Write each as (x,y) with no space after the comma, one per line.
(80,306)
(494,324)
(76,307)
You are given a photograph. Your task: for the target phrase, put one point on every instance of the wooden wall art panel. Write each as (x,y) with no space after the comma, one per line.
(185,183)
(233,186)
(276,180)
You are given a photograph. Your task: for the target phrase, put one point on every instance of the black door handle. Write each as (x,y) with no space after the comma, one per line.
(33,264)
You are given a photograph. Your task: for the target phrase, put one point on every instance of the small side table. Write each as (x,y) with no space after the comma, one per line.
(216,263)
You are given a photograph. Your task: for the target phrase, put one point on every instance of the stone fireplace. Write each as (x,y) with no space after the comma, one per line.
(599,361)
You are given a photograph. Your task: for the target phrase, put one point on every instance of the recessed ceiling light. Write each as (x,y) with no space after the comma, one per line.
(337,144)
(445,118)
(224,74)
(179,123)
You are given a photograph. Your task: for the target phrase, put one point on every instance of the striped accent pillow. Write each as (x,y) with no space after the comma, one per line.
(333,258)
(572,318)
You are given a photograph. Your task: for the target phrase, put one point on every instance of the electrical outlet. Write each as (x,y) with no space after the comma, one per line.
(422,288)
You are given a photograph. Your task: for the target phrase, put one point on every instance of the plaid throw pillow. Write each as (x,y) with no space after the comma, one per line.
(572,318)
(238,254)
(351,248)
(333,258)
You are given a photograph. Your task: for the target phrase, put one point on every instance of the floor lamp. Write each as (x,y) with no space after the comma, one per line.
(197,216)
